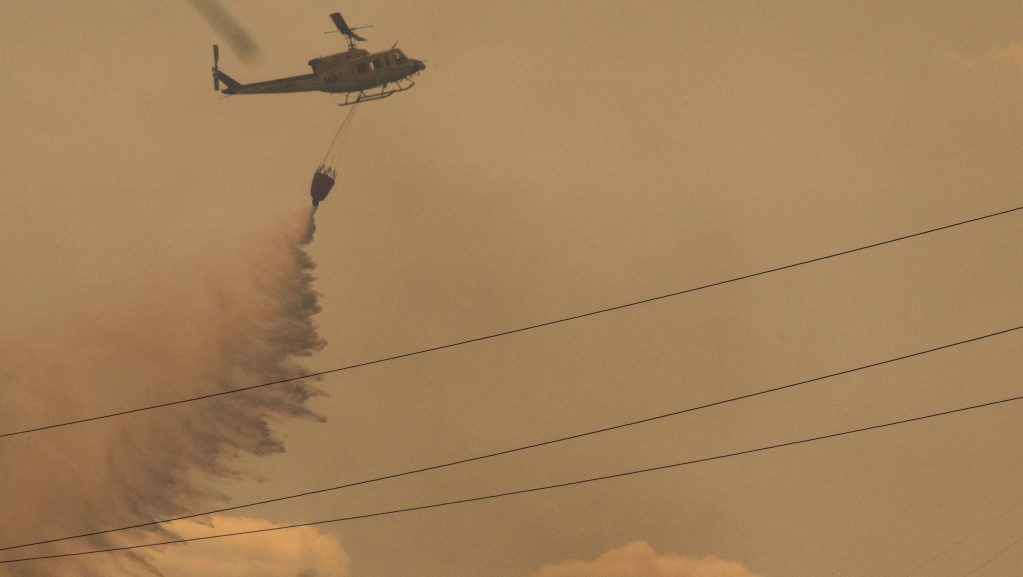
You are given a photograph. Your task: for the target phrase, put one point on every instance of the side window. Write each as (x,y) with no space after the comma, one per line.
(362,67)
(376,64)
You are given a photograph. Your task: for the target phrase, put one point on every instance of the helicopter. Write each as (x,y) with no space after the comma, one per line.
(359,75)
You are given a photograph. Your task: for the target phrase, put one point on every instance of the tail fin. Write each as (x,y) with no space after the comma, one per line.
(230,82)
(219,76)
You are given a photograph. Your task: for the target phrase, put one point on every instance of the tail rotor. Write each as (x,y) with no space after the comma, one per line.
(216,71)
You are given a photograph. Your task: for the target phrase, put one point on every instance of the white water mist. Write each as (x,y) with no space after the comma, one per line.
(228,318)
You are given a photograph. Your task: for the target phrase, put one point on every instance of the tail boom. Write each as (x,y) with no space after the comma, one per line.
(304,83)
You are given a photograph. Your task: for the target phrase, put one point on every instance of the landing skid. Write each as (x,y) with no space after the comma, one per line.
(374,94)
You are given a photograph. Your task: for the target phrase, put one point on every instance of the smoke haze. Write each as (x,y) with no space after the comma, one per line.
(638,559)
(227,319)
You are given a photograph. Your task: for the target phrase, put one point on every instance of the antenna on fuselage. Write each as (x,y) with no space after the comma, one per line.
(348,31)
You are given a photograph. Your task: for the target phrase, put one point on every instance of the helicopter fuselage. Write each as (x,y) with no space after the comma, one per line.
(355,70)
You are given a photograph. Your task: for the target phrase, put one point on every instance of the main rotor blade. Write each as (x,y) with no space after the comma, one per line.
(229,29)
(343,27)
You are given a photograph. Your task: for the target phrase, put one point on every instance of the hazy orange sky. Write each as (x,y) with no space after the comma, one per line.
(554,158)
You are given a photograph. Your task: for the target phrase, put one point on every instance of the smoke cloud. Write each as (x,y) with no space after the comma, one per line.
(638,559)
(300,552)
(226,319)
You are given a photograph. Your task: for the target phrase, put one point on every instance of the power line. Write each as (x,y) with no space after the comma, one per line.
(517,449)
(995,556)
(521,491)
(963,540)
(500,334)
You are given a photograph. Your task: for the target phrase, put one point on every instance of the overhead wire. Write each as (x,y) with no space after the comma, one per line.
(995,556)
(521,491)
(972,534)
(517,449)
(499,334)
